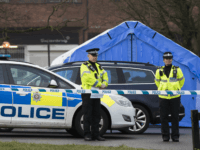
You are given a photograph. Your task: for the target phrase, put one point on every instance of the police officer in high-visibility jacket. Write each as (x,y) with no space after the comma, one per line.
(169,77)
(92,76)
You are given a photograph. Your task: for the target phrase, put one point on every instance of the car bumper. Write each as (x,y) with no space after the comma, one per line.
(117,120)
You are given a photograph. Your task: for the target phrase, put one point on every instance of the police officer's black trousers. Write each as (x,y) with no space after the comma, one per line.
(169,106)
(92,115)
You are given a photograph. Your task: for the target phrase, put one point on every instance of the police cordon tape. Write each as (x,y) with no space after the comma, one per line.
(116,92)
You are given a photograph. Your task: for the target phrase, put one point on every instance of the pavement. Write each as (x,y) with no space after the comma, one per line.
(150,139)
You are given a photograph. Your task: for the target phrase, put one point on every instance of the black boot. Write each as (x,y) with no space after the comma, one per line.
(100,138)
(175,139)
(87,138)
(165,138)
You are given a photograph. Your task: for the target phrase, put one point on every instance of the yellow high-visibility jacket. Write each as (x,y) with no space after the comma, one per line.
(90,78)
(172,83)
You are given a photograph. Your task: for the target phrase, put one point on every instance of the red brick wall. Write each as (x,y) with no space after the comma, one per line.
(102,15)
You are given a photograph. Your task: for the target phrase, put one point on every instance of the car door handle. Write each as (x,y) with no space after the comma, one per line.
(21,93)
(70,98)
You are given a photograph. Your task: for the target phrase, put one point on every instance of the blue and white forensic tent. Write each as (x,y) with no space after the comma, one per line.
(134,41)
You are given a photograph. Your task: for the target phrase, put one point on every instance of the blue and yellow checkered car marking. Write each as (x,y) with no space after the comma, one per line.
(48,99)
(107,100)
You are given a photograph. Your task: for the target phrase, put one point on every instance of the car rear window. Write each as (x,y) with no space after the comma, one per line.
(68,73)
(112,75)
(138,76)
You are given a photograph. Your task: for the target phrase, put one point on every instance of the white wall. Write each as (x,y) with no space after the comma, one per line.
(38,54)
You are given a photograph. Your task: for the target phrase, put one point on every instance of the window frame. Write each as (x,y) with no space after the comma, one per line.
(11,81)
(118,74)
(5,74)
(62,69)
(56,78)
(122,80)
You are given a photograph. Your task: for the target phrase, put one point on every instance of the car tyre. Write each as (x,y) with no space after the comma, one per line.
(73,132)
(142,120)
(79,123)
(6,129)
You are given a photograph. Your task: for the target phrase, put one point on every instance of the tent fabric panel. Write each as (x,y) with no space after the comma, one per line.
(164,44)
(144,52)
(134,48)
(119,52)
(198,96)
(188,101)
(145,30)
(120,29)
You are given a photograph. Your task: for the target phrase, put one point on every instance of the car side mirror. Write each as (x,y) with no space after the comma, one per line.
(53,84)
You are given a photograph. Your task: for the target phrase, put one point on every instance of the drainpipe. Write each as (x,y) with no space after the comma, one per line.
(87,22)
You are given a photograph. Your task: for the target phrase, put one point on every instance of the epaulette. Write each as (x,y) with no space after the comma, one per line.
(160,67)
(99,66)
(86,63)
(176,66)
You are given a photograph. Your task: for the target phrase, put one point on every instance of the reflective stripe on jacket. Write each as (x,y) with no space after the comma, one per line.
(90,78)
(172,84)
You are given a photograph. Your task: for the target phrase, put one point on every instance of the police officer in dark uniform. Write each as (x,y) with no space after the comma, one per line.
(169,77)
(92,76)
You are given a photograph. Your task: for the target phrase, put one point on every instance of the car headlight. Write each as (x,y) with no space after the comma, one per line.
(120,100)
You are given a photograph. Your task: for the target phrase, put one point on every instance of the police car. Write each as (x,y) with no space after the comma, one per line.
(34,97)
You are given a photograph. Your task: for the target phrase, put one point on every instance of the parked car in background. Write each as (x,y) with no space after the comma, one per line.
(126,76)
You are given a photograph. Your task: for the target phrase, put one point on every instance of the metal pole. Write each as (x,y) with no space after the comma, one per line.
(195,129)
(48,54)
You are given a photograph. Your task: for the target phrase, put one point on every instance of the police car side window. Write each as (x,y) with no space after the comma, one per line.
(29,76)
(112,75)
(64,85)
(1,75)
(138,76)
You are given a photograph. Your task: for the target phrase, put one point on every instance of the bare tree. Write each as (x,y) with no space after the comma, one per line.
(21,17)
(178,20)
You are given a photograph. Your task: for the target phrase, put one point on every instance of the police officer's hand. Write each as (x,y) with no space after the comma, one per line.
(103,86)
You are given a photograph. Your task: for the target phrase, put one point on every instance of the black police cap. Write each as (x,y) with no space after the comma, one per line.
(167,55)
(93,51)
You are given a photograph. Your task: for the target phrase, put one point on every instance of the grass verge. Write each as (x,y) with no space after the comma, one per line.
(26,146)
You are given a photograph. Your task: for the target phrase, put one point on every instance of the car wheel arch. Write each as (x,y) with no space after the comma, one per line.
(102,107)
(146,107)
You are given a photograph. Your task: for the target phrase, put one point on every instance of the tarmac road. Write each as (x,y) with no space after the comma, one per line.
(151,139)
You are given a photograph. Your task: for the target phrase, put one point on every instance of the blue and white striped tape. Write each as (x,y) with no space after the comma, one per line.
(120,92)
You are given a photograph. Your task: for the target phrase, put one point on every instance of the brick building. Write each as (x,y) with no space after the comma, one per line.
(79,21)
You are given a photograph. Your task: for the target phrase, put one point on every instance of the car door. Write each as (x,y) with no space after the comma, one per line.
(139,79)
(6,107)
(43,108)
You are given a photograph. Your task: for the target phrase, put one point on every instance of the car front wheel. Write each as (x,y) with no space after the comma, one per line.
(141,121)
(103,124)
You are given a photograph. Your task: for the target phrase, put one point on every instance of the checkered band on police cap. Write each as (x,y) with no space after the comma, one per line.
(93,51)
(167,55)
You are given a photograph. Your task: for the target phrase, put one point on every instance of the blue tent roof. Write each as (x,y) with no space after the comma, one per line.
(133,41)
(157,41)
